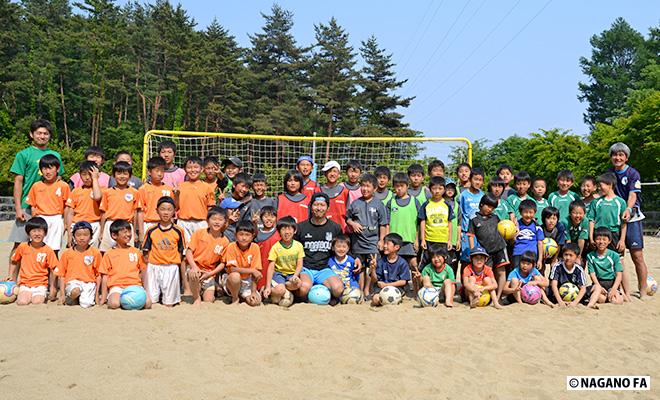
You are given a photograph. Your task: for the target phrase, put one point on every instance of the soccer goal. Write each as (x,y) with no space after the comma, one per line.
(274,155)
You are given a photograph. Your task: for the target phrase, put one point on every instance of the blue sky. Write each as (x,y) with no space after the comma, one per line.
(480,69)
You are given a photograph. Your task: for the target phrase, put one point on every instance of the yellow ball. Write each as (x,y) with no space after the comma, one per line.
(550,247)
(507,229)
(484,300)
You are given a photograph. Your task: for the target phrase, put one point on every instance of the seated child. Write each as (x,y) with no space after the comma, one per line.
(526,274)
(204,256)
(35,260)
(80,281)
(83,203)
(242,260)
(479,278)
(605,268)
(267,236)
(121,266)
(569,271)
(391,270)
(286,262)
(554,230)
(438,274)
(342,264)
(163,248)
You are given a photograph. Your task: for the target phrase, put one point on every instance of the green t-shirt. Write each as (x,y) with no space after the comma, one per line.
(577,232)
(503,210)
(26,164)
(607,213)
(604,267)
(403,219)
(438,278)
(514,202)
(540,206)
(561,202)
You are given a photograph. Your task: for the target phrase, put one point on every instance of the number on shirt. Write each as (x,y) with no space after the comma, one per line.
(58,192)
(41,257)
(132,257)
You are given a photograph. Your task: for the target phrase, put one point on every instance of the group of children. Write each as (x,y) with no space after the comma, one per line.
(209,228)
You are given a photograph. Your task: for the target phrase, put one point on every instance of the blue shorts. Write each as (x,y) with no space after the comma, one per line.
(280,278)
(319,276)
(465,247)
(635,236)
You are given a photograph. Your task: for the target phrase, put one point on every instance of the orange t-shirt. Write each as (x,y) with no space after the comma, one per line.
(79,265)
(85,208)
(48,198)
(148,196)
(165,246)
(486,272)
(34,264)
(194,200)
(236,258)
(119,203)
(207,250)
(123,266)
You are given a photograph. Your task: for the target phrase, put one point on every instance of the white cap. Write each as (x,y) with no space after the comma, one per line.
(330,165)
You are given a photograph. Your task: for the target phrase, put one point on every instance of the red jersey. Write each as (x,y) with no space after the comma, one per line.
(337,209)
(264,247)
(299,210)
(310,188)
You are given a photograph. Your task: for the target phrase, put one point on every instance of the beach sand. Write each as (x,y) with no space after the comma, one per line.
(219,351)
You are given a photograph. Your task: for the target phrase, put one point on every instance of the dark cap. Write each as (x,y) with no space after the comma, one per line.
(232,160)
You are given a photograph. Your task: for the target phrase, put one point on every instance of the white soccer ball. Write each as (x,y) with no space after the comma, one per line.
(428,297)
(651,286)
(286,300)
(351,296)
(390,295)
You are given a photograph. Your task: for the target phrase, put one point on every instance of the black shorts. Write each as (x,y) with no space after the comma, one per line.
(616,236)
(365,259)
(498,259)
(606,283)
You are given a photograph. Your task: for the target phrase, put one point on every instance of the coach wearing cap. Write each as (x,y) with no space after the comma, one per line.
(316,235)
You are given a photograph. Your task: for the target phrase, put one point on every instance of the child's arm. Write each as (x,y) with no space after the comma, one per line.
(399,283)
(555,290)
(449,231)
(458,238)
(621,246)
(139,225)
(581,246)
(68,218)
(384,229)
(617,281)
(541,254)
(422,231)
(471,241)
(18,194)
(97,294)
(104,289)
(96,188)
(101,226)
(594,278)
(578,299)
(299,267)
(13,271)
(591,230)
(269,278)
(215,271)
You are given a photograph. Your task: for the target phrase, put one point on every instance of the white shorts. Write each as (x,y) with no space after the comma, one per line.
(107,242)
(96,230)
(87,296)
(244,291)
(55,231)
(164,279)
(190,226)
(35,290)
(115,289)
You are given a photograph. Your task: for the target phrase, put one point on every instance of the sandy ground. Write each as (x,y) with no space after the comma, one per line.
(307,351)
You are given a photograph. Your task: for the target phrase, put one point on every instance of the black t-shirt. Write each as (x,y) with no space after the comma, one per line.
(317,242)
(485,229)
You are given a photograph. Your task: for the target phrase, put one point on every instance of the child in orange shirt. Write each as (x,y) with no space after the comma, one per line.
(193,198)
(118,203)
(78,272)
(149,194)
(242,259)
(48,198)
(83,203)
(204,254)
(35,260)
(122,266)
(479,278)
(211,171)
(163,250)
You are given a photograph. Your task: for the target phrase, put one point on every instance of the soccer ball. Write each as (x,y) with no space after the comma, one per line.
(351,296)
(568,291)
(651,286)
(8,292)
(530,294)
(133,298)
(390,296)
(484,300)
(550,247)
(428,297)
(319,294)
(286,300)
(507,229)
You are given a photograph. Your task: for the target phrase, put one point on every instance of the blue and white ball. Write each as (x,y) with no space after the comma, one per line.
(319,294)
(133,298)
(8,292)
(428,297)
(651,286)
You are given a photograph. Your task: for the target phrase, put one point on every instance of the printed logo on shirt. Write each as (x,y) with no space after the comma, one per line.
(624,180)
(88,260)
(128,197)
(638,185)
(328,236)
(249,258)
(217,249)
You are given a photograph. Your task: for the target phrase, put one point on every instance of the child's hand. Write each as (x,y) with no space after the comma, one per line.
(357,227)
(415,246)
(204,276)
(424,246)
(458,246)
(94,172)
(381,284)
(573,303)
(295,279)
(415,273)
(257,274)
(621,246)
(539,264)
(194,272)
(380,245)
(52,296)
(449,247)
(372,262)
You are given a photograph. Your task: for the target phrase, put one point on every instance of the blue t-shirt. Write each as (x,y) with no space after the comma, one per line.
(516,273)
(468,205)
(345,271)
(628,180)
(527,237)
(391,272)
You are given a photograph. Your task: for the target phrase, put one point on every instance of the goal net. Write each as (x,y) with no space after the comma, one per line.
(274,155)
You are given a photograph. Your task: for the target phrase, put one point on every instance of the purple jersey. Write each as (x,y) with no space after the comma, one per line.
(628,180)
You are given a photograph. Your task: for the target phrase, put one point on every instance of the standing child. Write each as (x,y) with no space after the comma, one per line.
(436,168)
(368,219)
(353,174)
(259,200)
(48,199)
(526,274)
(452,199)
(468,205)
(230,167)
(134,181)
(383,176)
(242,260)
(530,235)
(568,270)
(211,171)
(342,264)
(150,193)
(338,194)
(305,166)
(578,228)
(240,193)
(122,266)
(483,228)
(80,281)
(478,278)
(463,172)
(505,173)
(117,203)
(173,174)
(266,238)
(286,262)
(589,190)
(522,181)
(96,155)
(391,270)
(538,191)
(435,216)
(438,274)
(563,197)
(605,268)
(503,209)
(417,188)
(83,203)
(35,261)
(193,198)
(204,255)
(292,202)
(163,249)
(554,230)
